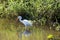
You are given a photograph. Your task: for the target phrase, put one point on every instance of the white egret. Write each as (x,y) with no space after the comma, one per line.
(27,24)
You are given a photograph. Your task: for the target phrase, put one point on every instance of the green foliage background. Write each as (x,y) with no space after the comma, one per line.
(45,10)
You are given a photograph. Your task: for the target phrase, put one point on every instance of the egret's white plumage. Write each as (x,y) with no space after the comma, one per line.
(25,22)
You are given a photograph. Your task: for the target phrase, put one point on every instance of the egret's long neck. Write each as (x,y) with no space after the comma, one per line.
(20,20)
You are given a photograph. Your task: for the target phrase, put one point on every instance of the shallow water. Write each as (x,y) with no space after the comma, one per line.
(11,31)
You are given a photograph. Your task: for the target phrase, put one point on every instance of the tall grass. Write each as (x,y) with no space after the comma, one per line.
(8,31)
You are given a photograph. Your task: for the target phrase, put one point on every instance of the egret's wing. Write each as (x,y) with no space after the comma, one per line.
(27,22)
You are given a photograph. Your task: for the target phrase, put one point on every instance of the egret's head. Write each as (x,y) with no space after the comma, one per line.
(19,17)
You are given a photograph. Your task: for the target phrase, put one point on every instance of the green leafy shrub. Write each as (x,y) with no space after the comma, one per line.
(48,10)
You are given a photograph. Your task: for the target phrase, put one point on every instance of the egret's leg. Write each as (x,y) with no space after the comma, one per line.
(27,28)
